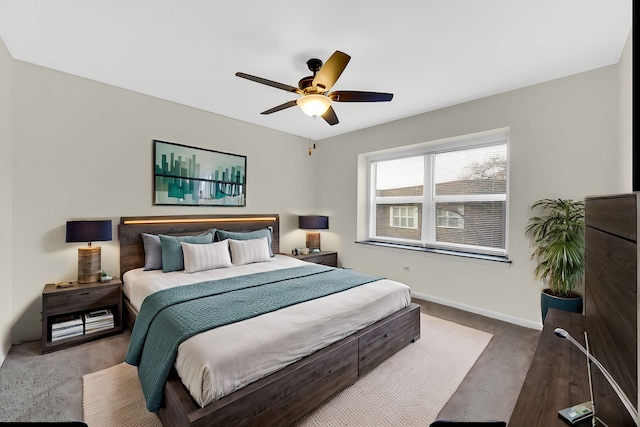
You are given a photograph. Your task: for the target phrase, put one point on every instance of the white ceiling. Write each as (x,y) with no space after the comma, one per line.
(429,53)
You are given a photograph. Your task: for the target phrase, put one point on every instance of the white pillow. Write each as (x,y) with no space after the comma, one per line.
(207,256)
(249,251)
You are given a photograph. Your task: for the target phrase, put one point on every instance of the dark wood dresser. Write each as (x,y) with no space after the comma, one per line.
(611,279)
(557,377)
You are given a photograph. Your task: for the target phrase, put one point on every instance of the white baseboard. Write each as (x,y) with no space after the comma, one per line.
(481,311)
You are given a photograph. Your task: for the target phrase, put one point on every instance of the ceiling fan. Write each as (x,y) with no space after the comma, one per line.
(316,99)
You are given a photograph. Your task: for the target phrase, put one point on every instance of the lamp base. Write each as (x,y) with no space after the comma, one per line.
(89,260)
(313,241)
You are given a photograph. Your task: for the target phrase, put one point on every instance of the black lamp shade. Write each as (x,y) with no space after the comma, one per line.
(89,231)
(313,222)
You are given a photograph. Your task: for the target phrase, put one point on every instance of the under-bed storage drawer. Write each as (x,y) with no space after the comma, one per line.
(276,399)
(284,396)
(377,344)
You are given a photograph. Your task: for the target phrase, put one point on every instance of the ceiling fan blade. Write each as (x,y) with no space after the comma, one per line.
(356,96)
(330,116)
(280,107)
(330,71)
(269,83)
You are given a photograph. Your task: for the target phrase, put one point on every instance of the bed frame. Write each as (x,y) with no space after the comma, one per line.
(284,396)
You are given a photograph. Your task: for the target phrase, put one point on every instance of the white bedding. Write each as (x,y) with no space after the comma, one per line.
(218,362)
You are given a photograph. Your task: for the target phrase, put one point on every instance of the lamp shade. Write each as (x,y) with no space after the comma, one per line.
(89,231)
(313,222)
(314,105)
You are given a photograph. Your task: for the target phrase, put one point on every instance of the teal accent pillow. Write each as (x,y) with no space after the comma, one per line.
(172,257)
(250,235)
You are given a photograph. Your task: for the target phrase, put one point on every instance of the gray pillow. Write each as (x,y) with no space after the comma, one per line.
(152,252)
(172,257)
(250,235)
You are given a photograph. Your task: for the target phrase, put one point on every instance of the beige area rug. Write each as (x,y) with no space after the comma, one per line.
(408,389)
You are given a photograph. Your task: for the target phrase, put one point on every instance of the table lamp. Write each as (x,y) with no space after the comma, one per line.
(89,258)
(313,223)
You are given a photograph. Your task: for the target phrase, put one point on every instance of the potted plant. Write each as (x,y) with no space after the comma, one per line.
(104,277)
(558,238)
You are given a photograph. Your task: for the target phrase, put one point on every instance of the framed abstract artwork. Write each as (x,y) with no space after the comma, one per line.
(191,176)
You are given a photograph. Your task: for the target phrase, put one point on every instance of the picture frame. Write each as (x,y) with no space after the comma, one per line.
(192,176)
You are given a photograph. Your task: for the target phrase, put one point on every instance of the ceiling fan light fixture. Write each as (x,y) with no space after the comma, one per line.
(314,105)
(315,99)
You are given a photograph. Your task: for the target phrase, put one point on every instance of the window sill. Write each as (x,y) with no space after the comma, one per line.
(493,258)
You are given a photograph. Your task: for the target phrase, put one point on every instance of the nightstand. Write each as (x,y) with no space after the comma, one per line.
(79,299)
(324,258)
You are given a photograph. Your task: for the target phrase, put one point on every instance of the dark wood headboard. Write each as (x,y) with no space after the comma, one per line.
(131,228)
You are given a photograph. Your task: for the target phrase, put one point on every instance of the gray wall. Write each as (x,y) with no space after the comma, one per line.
(6,203)
(82,149)
(625,117)
(564,142)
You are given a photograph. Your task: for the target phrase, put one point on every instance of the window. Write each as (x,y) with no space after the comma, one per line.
(453,197)
(451,217)
(404,217)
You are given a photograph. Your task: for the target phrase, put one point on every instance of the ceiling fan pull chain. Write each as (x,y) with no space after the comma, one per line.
(313,132)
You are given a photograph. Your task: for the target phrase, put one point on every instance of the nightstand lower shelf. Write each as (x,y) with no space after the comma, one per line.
(50,346)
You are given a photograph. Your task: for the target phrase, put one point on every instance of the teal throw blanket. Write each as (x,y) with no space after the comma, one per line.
(169,317)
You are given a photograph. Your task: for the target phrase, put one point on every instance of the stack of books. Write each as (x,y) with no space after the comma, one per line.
(66,327)
(98,320)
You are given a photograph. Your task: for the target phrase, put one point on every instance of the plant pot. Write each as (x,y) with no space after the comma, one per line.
(547,301)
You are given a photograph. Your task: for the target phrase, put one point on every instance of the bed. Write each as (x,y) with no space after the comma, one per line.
(294,383)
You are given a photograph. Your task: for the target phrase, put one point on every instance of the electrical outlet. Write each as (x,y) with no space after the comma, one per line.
(406,269)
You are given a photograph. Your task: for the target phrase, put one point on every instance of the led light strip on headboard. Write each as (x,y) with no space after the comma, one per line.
(195,220)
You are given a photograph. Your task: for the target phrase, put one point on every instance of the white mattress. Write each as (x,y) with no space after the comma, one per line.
(218,362)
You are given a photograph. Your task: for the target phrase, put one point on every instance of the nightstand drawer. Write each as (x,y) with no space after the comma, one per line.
(325,258)
(330,259)
(86,298)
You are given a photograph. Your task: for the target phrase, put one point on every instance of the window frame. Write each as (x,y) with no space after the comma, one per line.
(429,200)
